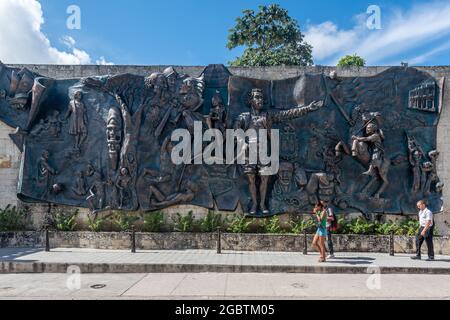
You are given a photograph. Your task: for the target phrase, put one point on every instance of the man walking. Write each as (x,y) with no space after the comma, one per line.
(426,231)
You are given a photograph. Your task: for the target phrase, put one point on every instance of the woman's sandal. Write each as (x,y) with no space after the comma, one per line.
(322,260)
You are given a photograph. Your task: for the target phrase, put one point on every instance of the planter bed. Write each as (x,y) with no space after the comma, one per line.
(207,241)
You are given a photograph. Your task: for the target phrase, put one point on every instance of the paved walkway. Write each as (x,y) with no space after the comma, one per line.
(224,286)
(16,260)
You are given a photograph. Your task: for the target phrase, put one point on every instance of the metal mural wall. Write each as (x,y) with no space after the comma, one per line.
(364,144)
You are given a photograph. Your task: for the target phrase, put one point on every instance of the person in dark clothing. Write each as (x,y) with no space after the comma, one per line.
(331,221)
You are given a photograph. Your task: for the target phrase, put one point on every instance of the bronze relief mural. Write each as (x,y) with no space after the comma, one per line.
(365,144)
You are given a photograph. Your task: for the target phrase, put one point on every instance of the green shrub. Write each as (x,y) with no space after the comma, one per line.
(298,226)
(408,228)
(271,225)
(124,221)
(184,223)
(342,226)
(386,228)
(66,222)
(97,224)
(153,221)
(12,219)
(211,222)
(355,226)
(361,226)
(239,224)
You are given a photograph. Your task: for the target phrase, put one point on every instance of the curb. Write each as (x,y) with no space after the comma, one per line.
(43,267)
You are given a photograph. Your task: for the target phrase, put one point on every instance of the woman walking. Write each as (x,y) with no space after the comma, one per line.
(319,238)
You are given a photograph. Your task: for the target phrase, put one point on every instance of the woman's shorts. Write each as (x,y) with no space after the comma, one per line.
(321,232)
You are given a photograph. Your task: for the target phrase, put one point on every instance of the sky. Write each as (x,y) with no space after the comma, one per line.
(194,32)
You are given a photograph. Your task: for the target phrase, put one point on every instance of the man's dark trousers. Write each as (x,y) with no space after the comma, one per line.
(330,242)
(428,239)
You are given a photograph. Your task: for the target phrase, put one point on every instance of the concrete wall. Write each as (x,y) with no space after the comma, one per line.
(9,167)
(10,157)
(443,145)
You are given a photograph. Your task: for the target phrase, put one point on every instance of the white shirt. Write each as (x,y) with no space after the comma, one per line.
(425,215)
(330,217)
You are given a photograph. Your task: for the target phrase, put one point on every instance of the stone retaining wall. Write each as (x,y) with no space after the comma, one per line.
(208,241)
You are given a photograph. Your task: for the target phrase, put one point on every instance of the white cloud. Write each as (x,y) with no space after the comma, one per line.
(102,62)
(424,57)
(23,42)
(327,39)
(402,32)
(69,41)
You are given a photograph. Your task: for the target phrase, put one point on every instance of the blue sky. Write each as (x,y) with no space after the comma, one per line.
(194,32)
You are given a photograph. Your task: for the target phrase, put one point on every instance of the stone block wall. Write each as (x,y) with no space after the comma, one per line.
(10,156)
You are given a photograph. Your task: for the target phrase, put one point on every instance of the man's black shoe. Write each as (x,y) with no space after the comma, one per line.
(416,258)
(430,259)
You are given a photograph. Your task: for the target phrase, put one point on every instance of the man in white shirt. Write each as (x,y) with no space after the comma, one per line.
(426,231)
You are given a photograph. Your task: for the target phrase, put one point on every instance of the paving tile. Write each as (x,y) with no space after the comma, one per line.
(258,286)
(155,284)
(201,285)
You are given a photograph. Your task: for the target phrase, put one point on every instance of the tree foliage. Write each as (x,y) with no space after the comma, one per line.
(351,61)
(271,38)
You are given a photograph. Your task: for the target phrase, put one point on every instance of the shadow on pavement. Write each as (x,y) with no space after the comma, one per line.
(11,254)
(352,260)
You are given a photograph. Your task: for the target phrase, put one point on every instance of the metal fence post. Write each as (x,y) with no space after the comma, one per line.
(133,240)
(47,240)
(305,243)
(219,240)
(391,244)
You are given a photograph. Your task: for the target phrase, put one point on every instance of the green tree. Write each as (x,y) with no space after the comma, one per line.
(271,38)
(351,61)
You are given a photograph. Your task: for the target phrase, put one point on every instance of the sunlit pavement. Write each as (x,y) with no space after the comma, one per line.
(16,260)
(364,276)
(224,286)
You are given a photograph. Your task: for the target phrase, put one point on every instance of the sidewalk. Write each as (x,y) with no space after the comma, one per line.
(26,260)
